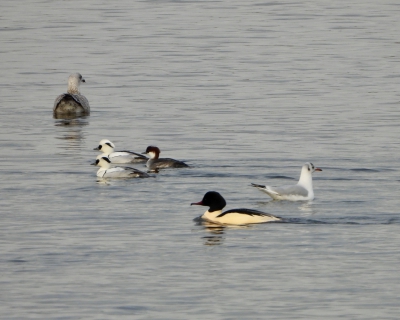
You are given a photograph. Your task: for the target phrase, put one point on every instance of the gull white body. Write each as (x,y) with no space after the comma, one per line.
(301,191)
(155,162)
(72,101)
(236,217)
(106,171)
(119,157)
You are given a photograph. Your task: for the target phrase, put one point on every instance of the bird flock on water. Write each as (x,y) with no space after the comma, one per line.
(110,161)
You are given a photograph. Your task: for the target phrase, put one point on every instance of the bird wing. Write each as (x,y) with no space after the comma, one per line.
(296,190)
(138,155)
(250,212)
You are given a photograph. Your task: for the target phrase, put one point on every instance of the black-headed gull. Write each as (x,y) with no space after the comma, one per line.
(155,162)
(107,147)
(303,190)
(106,171)
(72,102)
(214,214)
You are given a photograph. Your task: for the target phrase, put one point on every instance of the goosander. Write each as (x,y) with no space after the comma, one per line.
(106,171)
(303,190)
(107,147)
(155,162)
(72,101)
(216,203)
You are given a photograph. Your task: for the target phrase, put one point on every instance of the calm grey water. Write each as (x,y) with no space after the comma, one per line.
(244,91)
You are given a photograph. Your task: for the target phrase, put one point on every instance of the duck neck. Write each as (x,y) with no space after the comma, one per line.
(211,215)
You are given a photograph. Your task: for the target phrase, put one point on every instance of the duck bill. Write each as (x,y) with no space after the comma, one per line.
(317,169)
(144,152)
(97,148)
(197,203)
(93,164)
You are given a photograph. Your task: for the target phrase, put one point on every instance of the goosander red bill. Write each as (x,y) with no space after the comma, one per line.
(72,102)
(237,217)
(106,171)
(303,190)
(155,162)
(107,147)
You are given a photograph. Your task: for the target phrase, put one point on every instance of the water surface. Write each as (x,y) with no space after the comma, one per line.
(244,92)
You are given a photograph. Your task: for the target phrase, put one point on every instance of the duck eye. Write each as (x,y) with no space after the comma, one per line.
(97,161)
(100,146)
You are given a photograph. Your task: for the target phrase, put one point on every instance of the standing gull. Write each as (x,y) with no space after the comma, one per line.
(303,190)
(72,102)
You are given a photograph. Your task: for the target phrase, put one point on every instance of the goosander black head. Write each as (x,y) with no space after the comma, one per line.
(153,152)
(213,200)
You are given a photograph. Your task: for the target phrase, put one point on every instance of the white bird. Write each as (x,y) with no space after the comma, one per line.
(303,190)
(214,214)
(107,147)
(72,102)
(106,171)
(155,162)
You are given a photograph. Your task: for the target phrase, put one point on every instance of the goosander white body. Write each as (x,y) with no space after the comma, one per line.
(106,171)
(107,147)
(72,102)
(155,162)
(303,190)
(238,217)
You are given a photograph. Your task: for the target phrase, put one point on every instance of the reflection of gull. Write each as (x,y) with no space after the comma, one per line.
(303,190)
(214,214)
(106,171)
(72,102)
(71,131)
(107,147)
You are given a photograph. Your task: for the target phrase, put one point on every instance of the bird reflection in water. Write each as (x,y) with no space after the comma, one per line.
(307,209)
(71,129)
(216,231)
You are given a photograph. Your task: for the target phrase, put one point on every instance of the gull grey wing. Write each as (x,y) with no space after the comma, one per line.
(291,190)
(58,100)
(81,99)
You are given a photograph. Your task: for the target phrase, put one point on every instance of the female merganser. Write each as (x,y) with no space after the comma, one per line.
(303,190)
(72,101)
(216,203)
(107,147)
(155,162)
(106,171)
